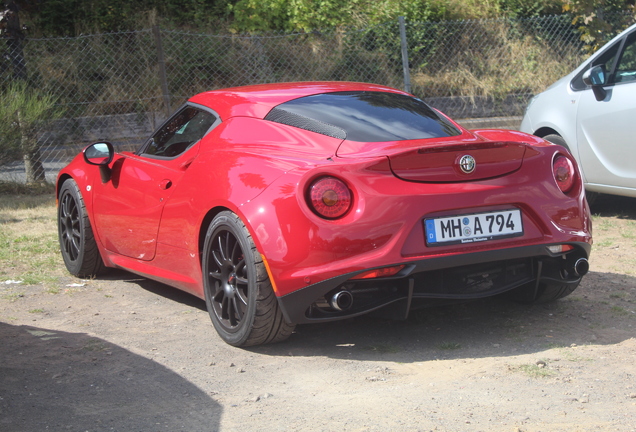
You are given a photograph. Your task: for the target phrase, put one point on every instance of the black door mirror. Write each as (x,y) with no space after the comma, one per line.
(596,78)
(100,154)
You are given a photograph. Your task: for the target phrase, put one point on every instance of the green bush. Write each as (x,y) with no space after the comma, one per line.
(23,112)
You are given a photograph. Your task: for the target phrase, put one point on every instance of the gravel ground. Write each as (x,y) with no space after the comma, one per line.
(122,353)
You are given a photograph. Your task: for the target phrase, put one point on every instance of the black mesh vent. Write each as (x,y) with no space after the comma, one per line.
(281,116)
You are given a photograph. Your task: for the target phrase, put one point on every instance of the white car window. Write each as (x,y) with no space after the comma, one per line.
(626,69)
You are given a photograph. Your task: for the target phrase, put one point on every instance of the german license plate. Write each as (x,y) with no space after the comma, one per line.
(473,228)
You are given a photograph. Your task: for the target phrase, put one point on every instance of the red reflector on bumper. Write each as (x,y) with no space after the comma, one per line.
(379,273)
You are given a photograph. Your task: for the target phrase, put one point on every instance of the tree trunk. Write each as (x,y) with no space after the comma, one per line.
(33,167)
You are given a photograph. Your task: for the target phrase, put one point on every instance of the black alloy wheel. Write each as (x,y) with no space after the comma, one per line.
(238,291)
(230,280)
(77,242)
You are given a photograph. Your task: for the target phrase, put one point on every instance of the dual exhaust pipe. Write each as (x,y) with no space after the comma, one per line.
(343,300)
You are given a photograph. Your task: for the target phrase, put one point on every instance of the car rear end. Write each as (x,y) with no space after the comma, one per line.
(455,215)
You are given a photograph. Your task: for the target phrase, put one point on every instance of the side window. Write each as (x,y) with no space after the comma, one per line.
(179,133)
(606,60)
(626,69)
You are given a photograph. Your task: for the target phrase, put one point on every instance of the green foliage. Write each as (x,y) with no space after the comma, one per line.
(530,8)
(308,15)
(600,20)
(22,112)
(257,15)
(71,17)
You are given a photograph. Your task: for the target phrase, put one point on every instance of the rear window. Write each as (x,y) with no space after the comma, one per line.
(364,116)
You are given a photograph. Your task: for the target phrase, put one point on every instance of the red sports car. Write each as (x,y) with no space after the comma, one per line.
(304,202)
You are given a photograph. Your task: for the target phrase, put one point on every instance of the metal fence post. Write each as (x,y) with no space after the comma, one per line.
(405,56)
(163,76)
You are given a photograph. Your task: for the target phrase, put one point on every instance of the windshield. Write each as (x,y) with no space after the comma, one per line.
(364,116)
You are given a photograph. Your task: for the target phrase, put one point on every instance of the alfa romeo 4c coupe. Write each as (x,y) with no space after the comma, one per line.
(298,203)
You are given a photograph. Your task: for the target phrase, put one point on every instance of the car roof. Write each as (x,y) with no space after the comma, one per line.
(258,100)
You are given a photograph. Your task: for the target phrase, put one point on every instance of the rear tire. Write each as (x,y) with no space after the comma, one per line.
(551,292)
(556,139)
(77,242)
(591,197)
(238,292)
(545,293)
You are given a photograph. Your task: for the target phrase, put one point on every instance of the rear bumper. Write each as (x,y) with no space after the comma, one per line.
(457,277)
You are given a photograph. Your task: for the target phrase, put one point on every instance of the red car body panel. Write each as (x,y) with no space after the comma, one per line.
(152,216)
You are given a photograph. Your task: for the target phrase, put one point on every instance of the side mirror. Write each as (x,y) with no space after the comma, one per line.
(596,78)
(100,154)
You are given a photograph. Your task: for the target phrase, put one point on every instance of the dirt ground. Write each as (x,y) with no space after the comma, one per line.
(122,353)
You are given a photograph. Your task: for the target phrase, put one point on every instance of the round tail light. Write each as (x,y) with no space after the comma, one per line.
(329,197)
(564,173)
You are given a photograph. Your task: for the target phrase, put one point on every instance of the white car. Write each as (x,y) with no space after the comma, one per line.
(592,112)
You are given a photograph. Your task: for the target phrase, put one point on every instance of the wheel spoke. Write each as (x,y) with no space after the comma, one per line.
(238,313)
(225,308)
(219,294)
(65,207)
(237,247)
(68,247)
(220,249)
(242,296)
(217,260)
(228,240)
(75,242)
(240,266)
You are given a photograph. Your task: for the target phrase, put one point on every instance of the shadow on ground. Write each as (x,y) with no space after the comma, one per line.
(600,311)
(155,287)
(52,380)
(597,313)
(614,205)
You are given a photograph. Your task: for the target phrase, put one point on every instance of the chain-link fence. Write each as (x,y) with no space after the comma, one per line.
(120,86)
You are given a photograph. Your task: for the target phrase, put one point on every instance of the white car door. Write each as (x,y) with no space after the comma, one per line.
(606,130)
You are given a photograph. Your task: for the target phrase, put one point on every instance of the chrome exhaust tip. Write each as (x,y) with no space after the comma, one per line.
(341,301)
(581,267)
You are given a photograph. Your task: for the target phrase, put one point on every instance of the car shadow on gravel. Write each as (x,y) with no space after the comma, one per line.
(155,287)
(53,380)
(600,311)
(614,205)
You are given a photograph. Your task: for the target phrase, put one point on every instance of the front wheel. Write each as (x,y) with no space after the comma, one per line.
(77,241)
(238,292)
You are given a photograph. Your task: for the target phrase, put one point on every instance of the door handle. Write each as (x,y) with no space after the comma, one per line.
(165,184)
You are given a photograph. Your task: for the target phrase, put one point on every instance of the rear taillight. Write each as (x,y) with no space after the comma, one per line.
(329,197)
(564,173)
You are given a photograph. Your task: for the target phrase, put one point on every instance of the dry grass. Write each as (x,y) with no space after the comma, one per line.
(507,64)
(29,250)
